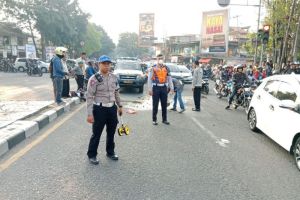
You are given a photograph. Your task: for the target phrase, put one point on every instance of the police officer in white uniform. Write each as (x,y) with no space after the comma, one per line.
(103,104)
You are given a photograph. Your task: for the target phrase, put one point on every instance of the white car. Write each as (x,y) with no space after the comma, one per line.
(20,64)
(180,72)
(275,110)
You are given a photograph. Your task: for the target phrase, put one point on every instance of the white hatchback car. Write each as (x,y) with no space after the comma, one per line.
(20,64)
(275,110)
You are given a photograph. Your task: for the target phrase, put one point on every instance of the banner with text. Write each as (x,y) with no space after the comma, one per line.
(215,29)
(146,30)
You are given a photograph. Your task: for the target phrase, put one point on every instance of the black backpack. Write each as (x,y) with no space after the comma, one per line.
(51,68)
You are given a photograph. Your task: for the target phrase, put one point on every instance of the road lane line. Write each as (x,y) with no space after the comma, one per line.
(41,138)
(220,141)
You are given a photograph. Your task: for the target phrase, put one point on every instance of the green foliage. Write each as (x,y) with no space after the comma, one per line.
(128,46)
(61,22)
(107,45)
(92,40)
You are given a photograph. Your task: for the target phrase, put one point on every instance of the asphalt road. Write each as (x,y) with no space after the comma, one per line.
(207,155)
(20,86)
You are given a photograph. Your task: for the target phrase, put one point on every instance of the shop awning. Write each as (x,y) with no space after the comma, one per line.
(204,60)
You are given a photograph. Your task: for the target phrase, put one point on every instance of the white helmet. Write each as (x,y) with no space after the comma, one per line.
(60,50)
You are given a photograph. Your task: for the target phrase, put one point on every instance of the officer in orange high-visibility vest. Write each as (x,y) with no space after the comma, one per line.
(159,83)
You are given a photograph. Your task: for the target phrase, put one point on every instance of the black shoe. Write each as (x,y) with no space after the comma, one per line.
(94,161)
(227,107)
(173,109)
(194,109)
(113,156)
(155,123)
(166,122)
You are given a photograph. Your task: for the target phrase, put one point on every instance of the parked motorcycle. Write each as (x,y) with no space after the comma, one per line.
(33,68)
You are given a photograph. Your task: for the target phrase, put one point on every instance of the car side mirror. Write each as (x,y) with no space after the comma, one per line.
(289,104)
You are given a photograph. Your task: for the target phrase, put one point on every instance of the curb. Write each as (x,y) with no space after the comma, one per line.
(18,131)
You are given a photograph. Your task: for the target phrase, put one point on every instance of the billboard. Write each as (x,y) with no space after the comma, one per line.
(146,29)
(215,31)
(50,52)
(30,51)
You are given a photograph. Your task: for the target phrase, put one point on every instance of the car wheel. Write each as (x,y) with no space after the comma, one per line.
(21,69)
(297,153)
(44,70)
(141,89)
(252,120)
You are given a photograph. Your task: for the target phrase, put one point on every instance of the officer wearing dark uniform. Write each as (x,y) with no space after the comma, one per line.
(159,82)
(103,104)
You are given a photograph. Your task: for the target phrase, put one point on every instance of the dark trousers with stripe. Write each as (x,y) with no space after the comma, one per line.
(197,97)
(160,93)
(103,117)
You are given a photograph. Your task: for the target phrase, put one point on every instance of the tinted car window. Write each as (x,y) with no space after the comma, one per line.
(272,87)
(128,65)
(184,69)
(286,92)
(22,60)
(173,68)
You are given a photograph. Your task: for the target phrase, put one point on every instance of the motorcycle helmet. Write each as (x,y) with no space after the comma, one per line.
(60,51)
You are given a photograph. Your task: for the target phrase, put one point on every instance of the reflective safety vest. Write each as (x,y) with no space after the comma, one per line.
(159,75)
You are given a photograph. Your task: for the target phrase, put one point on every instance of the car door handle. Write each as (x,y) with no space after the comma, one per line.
(271,107)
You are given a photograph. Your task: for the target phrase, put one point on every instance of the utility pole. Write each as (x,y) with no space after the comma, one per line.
(296,41)
(256,41)
(238,35)
(286,34)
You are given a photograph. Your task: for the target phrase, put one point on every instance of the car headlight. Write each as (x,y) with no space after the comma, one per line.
(139,76)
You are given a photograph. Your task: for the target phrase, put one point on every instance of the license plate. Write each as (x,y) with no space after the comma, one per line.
(128,81)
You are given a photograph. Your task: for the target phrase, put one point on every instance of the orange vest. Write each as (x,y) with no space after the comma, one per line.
(160,75)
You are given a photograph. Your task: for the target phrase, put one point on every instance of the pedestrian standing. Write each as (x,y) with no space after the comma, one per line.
(196,85)
(66,82)
(178,88)
(82,58)
(79,76)
(103,104)
(58,73)
(159,82)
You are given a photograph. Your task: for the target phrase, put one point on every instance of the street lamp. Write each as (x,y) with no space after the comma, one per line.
(238,34)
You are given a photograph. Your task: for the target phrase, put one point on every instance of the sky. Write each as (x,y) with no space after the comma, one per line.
(176,17)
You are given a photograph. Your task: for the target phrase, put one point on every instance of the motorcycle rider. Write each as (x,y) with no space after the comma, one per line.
(259,74)
(238,80)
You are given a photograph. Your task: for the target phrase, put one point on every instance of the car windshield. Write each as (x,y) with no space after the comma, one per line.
(184,69)
(128,66)
(173,68)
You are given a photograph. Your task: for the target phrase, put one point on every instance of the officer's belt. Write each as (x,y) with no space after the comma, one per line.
(159,84)
(107,105)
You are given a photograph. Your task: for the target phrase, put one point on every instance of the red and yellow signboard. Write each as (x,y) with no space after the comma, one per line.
(214,32)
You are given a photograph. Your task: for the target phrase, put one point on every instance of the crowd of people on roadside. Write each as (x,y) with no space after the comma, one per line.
(61,71)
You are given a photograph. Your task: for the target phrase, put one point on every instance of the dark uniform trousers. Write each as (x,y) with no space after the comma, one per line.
(197,97)
(160,93)
(103,116)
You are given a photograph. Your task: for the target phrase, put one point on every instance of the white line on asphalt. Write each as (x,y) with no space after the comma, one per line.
(220,141)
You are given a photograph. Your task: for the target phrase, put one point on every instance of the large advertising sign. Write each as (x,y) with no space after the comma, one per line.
(50,51)
(30,51)
(215,29)
(146,30)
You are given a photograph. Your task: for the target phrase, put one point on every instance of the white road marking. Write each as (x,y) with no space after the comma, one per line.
(220,141)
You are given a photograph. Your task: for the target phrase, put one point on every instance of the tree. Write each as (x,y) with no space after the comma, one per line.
(128,46)
(283,16)
(92,40)
(107,45)
(60,22)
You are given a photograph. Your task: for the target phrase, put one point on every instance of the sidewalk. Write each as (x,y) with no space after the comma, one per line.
(22,119)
